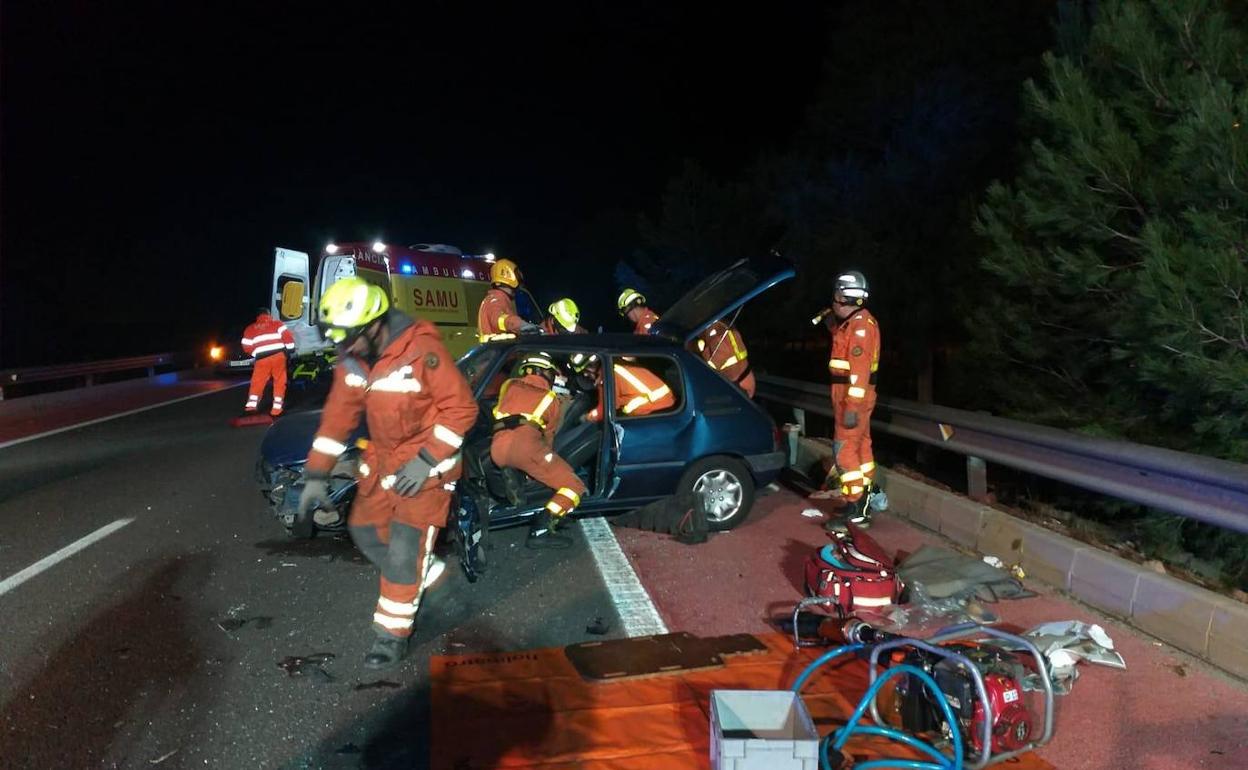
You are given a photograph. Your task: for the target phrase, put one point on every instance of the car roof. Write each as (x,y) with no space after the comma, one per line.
(574,342)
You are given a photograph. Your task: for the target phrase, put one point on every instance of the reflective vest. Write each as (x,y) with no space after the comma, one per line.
(531,398)
(645,320)
(724,351)
(267,336)
(497,318)
(855,354)
(638,391)
(414,398)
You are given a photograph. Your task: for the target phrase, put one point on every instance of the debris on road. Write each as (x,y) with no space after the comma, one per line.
(1065,643)
(161,758)
(599,627)
(230,625)
(300,665)
(813,513)
(380,684)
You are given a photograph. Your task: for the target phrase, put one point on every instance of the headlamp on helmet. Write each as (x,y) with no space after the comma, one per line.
(535,363)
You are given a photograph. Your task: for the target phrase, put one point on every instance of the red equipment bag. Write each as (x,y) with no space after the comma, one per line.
(854,570)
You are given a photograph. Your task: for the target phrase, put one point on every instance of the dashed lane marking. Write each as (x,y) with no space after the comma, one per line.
(47,562)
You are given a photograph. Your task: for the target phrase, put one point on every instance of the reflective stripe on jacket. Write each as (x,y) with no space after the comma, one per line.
(497,318)
(723,349)
(266,336)
(645,320)
(529,397)
(855,354)
(414,398)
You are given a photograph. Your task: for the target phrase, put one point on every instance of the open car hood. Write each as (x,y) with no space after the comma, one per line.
(720,294)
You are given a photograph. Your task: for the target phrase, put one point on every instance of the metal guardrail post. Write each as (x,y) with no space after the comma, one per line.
(88,371)
(1202,488)
(976,478)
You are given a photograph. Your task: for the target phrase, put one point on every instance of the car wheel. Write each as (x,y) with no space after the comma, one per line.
(726,488)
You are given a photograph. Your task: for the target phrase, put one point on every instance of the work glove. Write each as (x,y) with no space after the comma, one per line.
(315,495)
(850,420)
(412,476)
(528,328)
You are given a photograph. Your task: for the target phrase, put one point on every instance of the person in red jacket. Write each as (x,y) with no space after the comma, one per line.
(854,359)
(267,339)
(724,351)
(497,318)
(395,373)
(632,305)
(525,423)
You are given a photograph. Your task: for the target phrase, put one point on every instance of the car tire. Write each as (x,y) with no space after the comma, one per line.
(729,482)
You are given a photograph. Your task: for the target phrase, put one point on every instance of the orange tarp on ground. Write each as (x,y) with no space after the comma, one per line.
(532,709)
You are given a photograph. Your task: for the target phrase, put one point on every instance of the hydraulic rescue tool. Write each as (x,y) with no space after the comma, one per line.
(960,689)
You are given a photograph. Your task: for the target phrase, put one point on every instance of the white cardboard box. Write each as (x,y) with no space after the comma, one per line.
(762,730)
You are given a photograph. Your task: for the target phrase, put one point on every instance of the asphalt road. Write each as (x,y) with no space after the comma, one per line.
(166,635)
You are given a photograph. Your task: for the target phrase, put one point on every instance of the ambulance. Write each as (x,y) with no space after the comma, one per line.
(436,282)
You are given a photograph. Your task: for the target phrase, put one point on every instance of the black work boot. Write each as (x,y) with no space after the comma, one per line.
(386,651)
(855,513)
(544,534)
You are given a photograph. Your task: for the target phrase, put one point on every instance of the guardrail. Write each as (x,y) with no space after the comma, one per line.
(88,371)
(1196,487)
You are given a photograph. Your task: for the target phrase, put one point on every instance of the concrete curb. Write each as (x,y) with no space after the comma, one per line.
(1198,621)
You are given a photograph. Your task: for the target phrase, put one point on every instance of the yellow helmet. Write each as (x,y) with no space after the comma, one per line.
(535,363)
(566,313)
(347,306)
(504,271)
(629,298)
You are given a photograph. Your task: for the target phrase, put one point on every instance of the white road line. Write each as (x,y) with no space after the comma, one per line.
(632,602)
(9,583)
(78,425)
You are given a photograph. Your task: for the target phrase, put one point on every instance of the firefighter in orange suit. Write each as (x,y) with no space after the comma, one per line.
(853,363)
(394,372)
(497,318)
(638,391)
(267,339)
(525,423)
(632,305)
(724,351)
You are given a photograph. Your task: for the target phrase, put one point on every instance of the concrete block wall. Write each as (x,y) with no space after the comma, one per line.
(1198,621)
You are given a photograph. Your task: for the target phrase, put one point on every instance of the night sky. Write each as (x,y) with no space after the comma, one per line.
(153,158)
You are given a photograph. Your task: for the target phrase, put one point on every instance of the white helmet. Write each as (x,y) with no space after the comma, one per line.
(853,286)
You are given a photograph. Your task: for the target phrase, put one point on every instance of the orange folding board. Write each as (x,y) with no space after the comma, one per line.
(532,709)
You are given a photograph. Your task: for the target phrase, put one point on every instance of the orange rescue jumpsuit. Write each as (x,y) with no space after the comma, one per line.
(853,363)
(723,349)
(645,319)
(526,447)
(416,403)
(267,340)
(497,318)
(638,391)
